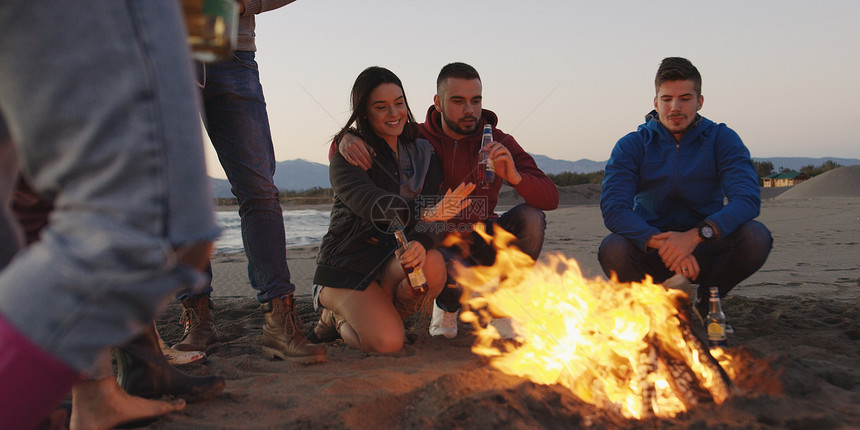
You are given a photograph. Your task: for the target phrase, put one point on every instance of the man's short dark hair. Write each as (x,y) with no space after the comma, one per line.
(678,69)
(456,70)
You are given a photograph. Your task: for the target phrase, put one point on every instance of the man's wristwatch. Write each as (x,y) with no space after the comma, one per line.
(706,231)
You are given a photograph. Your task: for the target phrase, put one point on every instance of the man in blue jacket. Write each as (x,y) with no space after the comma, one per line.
(680,195)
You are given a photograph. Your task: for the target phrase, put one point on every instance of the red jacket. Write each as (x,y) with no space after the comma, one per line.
(460,163)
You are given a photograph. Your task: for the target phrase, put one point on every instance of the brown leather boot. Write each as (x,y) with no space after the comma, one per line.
(328,327)
(143,371)
(283,334)
(199,329)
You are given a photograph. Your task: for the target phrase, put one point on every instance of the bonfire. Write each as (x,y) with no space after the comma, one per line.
(624,347)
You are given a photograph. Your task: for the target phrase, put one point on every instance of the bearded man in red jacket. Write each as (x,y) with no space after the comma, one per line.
(454,126)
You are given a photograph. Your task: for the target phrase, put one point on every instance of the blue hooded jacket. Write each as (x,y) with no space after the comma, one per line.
(653,183)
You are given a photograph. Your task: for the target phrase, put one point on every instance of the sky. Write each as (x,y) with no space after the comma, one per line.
(568,78)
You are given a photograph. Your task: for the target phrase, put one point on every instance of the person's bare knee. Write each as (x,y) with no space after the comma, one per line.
(383,342)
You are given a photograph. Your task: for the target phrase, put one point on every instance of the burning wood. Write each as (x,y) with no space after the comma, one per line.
(626,347)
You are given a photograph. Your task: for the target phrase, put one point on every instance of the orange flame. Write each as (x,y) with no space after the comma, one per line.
(613,345)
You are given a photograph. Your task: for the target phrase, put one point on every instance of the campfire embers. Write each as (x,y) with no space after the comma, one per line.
(625,347)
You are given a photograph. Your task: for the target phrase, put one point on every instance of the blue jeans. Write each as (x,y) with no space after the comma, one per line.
(100,102)
(234,113)
(723,262)
(527,223)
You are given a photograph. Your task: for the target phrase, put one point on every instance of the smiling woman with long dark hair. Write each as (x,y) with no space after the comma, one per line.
(359,280)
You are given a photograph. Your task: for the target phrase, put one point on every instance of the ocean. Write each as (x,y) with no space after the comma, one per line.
(302,227)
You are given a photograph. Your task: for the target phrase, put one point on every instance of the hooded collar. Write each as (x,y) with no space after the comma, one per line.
(652,122)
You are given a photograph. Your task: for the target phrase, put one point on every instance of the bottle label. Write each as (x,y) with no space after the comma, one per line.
(416,278)
(716,332)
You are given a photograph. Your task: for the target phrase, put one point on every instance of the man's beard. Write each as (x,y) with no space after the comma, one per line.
(455,126)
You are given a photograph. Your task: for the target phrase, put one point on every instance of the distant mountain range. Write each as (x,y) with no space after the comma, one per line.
(554,167)
(300,175)
(290,175)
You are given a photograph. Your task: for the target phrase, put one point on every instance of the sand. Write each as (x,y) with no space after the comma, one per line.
(800,314)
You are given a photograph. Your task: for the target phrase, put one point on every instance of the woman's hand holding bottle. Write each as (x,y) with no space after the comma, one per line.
(413,256)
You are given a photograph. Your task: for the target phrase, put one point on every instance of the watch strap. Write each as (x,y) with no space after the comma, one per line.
(703,227)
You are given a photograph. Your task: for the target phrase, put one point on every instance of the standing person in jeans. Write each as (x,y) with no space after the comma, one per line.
(234,113)
(101,109)
(454,126)
(144,373)
(664,190)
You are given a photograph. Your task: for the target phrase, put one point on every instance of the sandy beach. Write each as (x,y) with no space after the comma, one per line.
(799,317)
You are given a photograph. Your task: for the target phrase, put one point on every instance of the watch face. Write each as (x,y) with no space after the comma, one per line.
(707,232)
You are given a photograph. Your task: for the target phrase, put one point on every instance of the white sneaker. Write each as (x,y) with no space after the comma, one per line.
(507,328)
(443,323)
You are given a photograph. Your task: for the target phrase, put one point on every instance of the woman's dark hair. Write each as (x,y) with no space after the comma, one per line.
(365,83)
